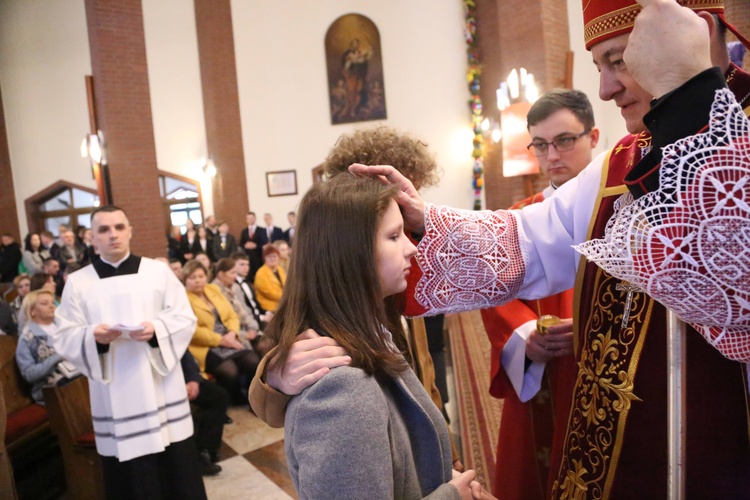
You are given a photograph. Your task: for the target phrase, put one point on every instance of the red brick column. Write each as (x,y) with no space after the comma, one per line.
(518,33)
(8,212)
(737,12)
(123,113)
(221,105)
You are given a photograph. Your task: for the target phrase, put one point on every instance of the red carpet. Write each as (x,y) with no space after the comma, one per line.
(479,413)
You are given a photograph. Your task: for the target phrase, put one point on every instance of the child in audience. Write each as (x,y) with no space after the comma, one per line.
(368,430)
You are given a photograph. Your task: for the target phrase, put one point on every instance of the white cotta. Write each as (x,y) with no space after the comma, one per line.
(138,399)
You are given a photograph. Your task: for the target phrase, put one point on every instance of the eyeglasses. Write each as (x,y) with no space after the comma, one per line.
(561,144)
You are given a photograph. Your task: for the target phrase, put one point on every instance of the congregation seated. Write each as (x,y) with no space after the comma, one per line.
(270,279)
(72,251)
(204,259)
(37,360)
(22,286)
(39,281)
(216,343)
(247,289)
(70,269)
(8,325)
(208,404)
(52,267)
(176,266)
(44,281)
(225,278)
(33,259)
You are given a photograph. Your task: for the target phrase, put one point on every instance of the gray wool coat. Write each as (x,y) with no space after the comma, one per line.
(356,436)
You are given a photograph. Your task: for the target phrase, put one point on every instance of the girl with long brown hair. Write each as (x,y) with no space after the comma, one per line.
(368,430)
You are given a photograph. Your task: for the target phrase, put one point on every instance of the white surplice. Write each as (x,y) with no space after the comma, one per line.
(138,398)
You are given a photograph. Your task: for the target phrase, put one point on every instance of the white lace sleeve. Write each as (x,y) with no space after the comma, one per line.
(469,260)
(688,243)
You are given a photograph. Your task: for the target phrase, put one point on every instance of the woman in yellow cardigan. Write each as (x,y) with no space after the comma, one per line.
(216,341)
(270,279)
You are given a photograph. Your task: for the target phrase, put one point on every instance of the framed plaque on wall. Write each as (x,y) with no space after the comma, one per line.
(281,183)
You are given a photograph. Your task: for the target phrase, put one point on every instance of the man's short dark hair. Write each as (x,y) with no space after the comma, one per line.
(556,99)
(107,209)
(251,213)
(239,256)
(173,260)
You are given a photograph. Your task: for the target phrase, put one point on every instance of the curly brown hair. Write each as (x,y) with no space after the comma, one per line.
(384,146)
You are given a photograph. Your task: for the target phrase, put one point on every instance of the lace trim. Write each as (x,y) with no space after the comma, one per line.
(470,260)
(688,243)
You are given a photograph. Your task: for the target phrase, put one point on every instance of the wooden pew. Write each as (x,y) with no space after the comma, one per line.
(27,421)
(69,409)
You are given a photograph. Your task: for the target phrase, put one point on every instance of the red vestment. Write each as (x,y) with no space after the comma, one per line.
(528,429)
(615,445)
(616,441)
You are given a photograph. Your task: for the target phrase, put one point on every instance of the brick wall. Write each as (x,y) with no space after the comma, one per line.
(123,113)
(738,13)
(512,34)
(222,110)
(8,212)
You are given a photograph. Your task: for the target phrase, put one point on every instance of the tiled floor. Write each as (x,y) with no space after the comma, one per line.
(253,461)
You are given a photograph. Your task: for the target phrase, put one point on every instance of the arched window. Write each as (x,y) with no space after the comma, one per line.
(181,198)
(61,203)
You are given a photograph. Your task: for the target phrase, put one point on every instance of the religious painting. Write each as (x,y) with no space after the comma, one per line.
(355,70)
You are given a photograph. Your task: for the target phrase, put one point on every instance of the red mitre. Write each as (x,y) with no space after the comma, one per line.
(604,19)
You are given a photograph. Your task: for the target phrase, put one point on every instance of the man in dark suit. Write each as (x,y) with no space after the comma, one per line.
(10,257)
(224,243)
(242,268)
(289,233)
(71,251)
(51,248)
(211,230)
(273,233)
(252,239)
(7,325)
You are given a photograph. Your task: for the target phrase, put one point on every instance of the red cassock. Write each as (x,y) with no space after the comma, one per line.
(528,430)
